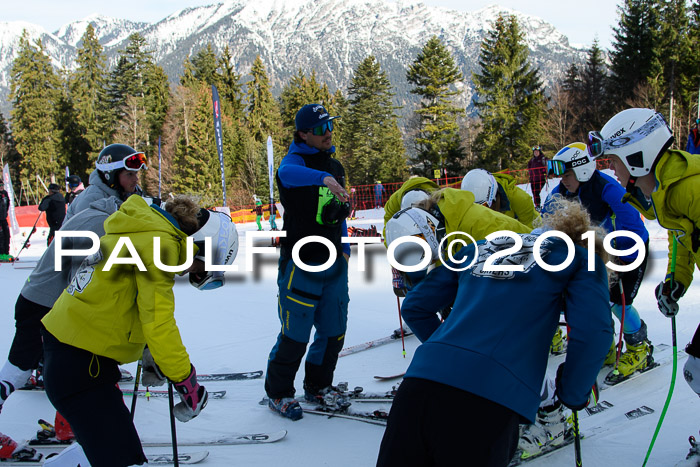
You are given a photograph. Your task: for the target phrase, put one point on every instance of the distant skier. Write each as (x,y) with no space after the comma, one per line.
(4,226)
(75,187)
(379,191)
(537,170)
(484,412)
(273,216)
(258,210)
(54,204)
(662,184)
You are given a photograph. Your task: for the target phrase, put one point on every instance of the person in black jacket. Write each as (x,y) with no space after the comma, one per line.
(76,187)
(4,227)
(311,186)
(55,206)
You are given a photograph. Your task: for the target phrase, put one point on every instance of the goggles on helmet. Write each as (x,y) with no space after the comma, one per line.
(133,162)
(559,167)
(537,148)
(597,145)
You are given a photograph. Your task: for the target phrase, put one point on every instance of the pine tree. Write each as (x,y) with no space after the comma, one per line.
(509,98)
(433,74)
(205,66)
(375,149)
(35,92)
(229,86)
(634,56)
(88,96)
(263,120)
(196,160)
(8,153)
(298,92)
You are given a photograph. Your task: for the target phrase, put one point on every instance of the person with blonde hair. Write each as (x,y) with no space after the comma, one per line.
(481,370)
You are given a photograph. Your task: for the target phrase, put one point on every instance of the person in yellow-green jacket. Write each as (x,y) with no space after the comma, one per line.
(662,184)
(107,316)
(413,190)
(450,211)
(500,192)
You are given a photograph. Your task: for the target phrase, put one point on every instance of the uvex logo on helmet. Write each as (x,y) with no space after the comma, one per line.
(617,133)
(106,159)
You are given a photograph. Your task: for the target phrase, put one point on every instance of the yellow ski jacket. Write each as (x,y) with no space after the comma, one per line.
(517,203)
(116,313)
(675,204)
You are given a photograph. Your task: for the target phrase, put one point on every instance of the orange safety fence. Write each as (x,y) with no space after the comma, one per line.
(26,215)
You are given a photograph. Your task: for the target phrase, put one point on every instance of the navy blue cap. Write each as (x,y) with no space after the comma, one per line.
(311,116)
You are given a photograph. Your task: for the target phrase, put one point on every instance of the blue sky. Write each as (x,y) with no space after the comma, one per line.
(581,22)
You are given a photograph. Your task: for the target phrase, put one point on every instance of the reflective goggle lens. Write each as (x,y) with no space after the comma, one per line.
(595,144)
(136,161)
(321,130)
(556,167)
(536,148)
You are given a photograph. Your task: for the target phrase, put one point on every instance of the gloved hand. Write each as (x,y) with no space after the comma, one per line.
(593,396)
(397,283)
(667,297)
(151,374)
(193,398)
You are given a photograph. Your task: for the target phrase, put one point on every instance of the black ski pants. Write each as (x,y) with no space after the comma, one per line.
(433,424)
(4,237)
(83,387)
(26,350)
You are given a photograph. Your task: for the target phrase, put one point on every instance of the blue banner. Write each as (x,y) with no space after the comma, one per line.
(219,138)
(160,173)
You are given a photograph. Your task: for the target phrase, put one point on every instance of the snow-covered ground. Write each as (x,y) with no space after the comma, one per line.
(233,329)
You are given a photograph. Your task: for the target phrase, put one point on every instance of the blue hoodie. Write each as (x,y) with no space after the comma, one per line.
(495,342)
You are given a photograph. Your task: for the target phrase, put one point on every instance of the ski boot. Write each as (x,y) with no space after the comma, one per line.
(612,355)
(7,259)
(558,346)
(553,428)
(331,397)
(11,452)
(638,356)
(287,407)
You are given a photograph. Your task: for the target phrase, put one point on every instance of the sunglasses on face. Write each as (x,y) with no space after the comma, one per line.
(136,162)
(321,130)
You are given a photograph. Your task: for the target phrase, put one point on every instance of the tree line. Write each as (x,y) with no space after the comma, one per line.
(61,118)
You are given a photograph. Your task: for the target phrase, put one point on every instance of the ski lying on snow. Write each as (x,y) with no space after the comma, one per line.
(156,459)
(389,378)
(230,376)
(161,393)
(396,335)
(252,438)
(225,440)
(375,418)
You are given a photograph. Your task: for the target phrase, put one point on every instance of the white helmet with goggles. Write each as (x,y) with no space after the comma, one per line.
(573,157)
(637,136)
(223,236)
(482,184)
(418,223)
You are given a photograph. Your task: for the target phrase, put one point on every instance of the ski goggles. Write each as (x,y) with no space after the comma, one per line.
(321,129)
(136,162)
(537,148)
(133,162)
(557,167)
(597,145)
